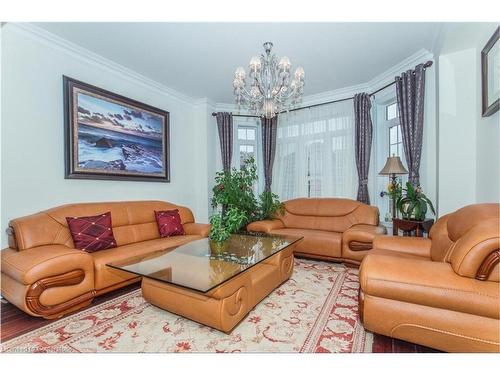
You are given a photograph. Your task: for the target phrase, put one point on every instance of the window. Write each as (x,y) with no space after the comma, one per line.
(391,111)
(315,153)
(395,141)
(388,141)
(314,168)
(247,143)
(395,138)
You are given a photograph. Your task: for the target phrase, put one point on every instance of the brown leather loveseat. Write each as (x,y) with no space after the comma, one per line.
(442,291)
(44,275)
(333,228)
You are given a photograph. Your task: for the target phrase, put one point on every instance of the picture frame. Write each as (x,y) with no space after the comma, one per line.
(490,67)
(111,137)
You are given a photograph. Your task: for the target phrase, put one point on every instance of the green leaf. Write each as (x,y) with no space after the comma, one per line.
(423,208)
(428,201)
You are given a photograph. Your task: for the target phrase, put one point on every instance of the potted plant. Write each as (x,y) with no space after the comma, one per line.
(413,203)
(223,225)
(235,188)
(269,206)
(236,205)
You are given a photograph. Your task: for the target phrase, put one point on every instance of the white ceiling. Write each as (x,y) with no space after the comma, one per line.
(199,59)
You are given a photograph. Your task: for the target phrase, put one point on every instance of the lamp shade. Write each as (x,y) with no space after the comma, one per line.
(393,165)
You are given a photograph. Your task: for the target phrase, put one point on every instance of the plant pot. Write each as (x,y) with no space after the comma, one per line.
(408,215)
(218,247)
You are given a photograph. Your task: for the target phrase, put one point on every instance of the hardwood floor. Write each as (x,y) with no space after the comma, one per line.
(15,322)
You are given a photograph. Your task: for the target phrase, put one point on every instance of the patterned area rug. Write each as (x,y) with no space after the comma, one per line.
(315,311)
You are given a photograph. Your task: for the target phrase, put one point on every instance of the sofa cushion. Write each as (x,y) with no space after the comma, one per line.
(106,276)
(169,223)
(92,233)
(315,242)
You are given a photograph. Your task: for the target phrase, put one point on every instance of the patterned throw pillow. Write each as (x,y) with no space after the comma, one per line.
(92,233)
(169,223)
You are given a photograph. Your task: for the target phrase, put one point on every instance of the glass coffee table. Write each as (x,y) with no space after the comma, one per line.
(214,288)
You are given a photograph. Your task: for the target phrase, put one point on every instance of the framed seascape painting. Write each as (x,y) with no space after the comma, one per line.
(490,70)
(110,137)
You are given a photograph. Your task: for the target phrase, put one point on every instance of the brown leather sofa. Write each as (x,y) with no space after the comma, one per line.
(442,291)
(44,275)
(333,228)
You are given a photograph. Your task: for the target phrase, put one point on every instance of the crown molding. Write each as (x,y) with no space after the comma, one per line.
(229,107)
(204,102)
(326,96)
(410,62)
(41,35)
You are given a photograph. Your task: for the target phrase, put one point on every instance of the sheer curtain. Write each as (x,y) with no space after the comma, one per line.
(315,153)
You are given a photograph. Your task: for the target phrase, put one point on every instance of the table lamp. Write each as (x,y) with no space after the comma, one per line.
(393,166)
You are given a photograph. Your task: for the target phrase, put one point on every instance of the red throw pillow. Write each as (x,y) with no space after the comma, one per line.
(169,223)
(92,233)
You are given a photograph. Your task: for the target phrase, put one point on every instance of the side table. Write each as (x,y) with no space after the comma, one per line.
(411,227)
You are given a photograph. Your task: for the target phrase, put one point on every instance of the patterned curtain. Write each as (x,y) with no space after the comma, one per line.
(225,127)
(269,130)
(410,89)
(363,143)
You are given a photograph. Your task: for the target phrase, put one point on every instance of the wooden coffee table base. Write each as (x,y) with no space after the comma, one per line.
(226,305)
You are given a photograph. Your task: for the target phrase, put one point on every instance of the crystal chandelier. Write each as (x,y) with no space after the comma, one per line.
(271,88)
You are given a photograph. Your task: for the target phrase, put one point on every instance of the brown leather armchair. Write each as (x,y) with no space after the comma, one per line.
(442,291)
(333,228)
(44,275)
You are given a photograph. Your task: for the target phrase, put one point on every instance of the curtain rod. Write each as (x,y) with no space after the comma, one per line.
(426,65)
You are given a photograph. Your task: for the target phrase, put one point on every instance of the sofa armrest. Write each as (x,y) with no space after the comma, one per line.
(29,266)
(48,281)
(427,283)
(360,237)
(265,226)
(417,246)
(197,229)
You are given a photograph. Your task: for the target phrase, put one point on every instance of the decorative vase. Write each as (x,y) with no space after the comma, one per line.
(218,247)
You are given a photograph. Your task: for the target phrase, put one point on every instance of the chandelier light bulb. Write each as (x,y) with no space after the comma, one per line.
(284,63)
(240,73)
(255,63)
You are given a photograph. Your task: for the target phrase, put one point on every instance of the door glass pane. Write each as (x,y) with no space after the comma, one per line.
(251,134)
(242,134)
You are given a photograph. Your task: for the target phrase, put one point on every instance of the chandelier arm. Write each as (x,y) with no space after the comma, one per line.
(244,94)
(262,93)
(290,94)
